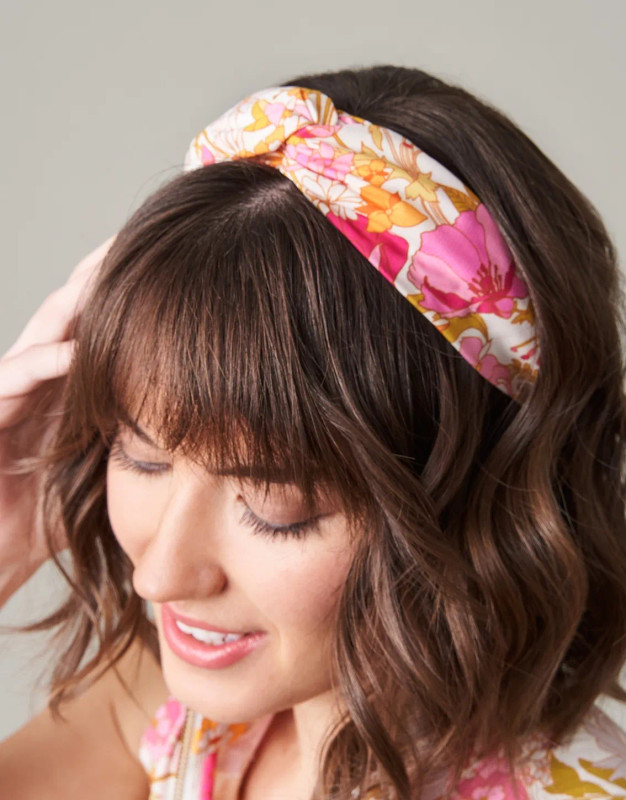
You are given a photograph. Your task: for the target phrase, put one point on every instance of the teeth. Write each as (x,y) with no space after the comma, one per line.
(208,637)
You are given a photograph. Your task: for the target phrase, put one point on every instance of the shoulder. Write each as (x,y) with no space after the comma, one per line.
(591,763)
(91,751)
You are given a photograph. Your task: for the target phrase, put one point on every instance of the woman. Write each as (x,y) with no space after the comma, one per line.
(383,541)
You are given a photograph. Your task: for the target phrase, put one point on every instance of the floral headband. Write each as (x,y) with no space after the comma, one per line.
(415,222)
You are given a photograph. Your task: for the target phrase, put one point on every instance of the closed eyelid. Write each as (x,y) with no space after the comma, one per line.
(282,505)
(119,451)
(246,473)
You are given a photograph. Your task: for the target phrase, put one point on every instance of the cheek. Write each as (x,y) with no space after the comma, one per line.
(133,510)
(299,591)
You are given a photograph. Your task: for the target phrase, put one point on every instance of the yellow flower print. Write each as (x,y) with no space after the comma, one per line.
(260,118)
(423,186)
(384,209)
(372,169)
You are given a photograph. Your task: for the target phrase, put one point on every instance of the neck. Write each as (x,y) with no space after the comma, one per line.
(297,736)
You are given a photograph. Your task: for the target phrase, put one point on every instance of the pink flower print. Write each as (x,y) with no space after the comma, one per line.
(206,156)
(490,367)
(323,159)
(466,267)
(274,112)
(385,251)
(160,738)
(489,780)
(316,131)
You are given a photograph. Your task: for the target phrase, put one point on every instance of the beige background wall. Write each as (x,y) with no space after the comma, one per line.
(100,100)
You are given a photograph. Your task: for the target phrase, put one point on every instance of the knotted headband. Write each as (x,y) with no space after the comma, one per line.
(415,222)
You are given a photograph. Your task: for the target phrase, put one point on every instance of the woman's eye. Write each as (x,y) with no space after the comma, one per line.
(295,530)
(147,468)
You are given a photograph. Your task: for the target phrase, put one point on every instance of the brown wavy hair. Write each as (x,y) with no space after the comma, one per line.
(487,598)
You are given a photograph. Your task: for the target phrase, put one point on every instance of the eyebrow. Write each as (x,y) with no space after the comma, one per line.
(250,471)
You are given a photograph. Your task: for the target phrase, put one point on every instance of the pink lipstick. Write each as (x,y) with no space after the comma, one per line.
(206,654)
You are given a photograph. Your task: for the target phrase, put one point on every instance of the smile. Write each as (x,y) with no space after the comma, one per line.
(207,649)
(208,637)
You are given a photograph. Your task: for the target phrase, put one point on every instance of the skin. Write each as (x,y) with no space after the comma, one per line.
(182,530)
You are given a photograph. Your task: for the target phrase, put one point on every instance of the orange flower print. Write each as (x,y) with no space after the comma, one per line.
(384,209)
(373,170)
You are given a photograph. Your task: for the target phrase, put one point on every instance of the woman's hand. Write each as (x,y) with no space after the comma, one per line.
(35,364)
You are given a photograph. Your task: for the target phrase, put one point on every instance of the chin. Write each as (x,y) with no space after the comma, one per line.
(221,709)
(213,693)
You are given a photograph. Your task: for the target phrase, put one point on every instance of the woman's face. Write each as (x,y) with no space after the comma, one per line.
(191,537)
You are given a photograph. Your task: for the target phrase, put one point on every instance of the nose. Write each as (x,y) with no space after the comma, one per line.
(180,559)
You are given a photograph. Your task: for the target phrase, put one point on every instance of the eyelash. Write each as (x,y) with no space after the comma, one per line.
(296,530)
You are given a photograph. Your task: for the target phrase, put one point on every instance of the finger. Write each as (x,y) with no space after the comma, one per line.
(21,374)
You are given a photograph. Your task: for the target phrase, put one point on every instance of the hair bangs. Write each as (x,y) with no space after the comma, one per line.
(199,342)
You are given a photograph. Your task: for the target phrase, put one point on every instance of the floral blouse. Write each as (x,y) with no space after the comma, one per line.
(189,757)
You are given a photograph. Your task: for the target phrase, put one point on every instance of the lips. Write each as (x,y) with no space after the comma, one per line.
(205,655)
(206,626)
